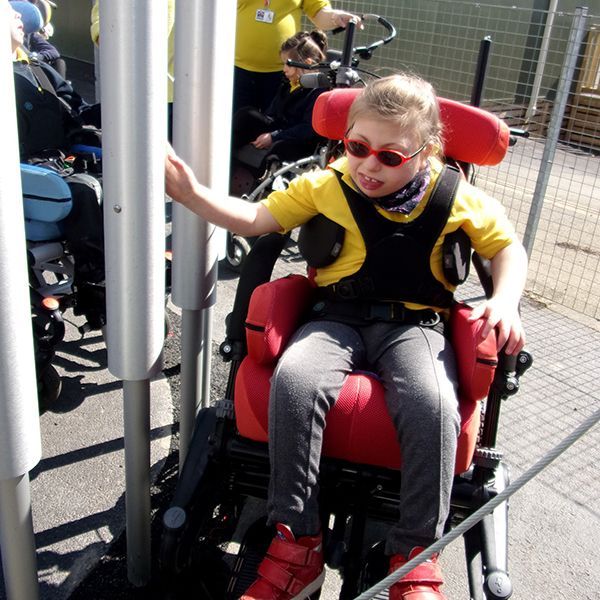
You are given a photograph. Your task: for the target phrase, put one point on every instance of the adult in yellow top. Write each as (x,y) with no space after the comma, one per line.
(95,34)
(262,26)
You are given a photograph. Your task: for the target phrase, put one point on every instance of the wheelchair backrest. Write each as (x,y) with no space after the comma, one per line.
(471,134)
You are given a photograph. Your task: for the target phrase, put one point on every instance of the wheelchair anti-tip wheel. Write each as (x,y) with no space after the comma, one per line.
(236,252)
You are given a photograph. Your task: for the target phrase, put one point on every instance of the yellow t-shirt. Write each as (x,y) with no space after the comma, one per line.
(257,43)
(481,217)
(95,34)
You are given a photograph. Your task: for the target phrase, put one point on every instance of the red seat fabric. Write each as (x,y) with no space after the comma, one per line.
(359,416)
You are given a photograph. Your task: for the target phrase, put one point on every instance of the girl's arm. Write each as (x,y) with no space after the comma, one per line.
(246,218)
(509,272)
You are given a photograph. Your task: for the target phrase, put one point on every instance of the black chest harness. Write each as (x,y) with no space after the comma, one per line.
(397,267)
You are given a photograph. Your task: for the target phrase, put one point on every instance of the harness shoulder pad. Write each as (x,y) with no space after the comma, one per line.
(320,241)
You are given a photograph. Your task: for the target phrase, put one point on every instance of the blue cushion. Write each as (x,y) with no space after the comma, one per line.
(46,201)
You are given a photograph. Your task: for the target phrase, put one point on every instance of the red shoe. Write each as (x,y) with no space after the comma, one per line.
(422,583)
(291,570)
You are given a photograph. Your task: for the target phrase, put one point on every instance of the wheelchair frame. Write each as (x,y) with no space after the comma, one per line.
(223,469)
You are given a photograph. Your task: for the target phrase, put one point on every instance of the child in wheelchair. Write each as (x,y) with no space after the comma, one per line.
(54,122)
(284,130)
(382,303)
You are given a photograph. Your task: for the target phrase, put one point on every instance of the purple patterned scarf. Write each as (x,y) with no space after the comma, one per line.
(407,197)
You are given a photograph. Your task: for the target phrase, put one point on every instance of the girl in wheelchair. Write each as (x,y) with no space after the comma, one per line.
(285,128)
(382,304)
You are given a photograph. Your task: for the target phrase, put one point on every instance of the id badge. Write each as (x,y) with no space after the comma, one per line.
(264,15)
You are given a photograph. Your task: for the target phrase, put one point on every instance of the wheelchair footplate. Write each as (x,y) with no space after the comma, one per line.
(252,550)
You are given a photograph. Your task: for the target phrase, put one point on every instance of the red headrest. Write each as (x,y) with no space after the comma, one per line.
(471,134)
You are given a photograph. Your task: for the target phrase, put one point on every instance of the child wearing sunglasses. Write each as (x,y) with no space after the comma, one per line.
(380,193)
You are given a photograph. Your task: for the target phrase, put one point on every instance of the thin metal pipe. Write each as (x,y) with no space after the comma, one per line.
(558,112)
(191,369)
(541,61)
(136,416)
(207,329)
(17,541)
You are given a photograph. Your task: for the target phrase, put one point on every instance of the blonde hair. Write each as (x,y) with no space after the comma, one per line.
(404,99)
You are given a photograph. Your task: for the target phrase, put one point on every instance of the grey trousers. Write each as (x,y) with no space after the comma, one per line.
(417,368)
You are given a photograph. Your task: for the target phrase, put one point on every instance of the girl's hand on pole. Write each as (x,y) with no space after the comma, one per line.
(180,182)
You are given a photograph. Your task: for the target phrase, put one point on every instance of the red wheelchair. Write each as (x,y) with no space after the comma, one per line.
(227,462)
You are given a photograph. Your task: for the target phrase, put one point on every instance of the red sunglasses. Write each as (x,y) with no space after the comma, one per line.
(388,158)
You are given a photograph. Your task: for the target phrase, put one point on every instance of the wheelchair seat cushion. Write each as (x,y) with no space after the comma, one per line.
(360,414)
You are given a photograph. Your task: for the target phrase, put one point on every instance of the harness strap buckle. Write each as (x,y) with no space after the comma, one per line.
(386,311)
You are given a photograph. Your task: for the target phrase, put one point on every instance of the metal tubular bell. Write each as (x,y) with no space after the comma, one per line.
(20,442)
(204,50)
(133,62)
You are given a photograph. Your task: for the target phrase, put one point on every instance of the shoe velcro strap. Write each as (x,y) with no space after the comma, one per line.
(294,554)
(277,576)
(427,572)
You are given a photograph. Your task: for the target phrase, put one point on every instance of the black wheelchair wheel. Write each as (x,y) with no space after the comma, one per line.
(237,250)
(49,387)
(200,520)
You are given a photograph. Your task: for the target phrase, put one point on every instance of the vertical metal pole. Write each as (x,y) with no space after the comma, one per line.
(558,112)
(204,47)
(481,70)
(17,540)
(20,441)
(133,62)
(541,61)
(191,368)
(137,474)
(206,356)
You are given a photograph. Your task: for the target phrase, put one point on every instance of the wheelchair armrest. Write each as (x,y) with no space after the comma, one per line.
(275,311)
(257,270)
(477,361)
(46,195)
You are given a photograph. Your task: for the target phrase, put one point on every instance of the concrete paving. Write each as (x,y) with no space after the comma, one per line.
(78,487)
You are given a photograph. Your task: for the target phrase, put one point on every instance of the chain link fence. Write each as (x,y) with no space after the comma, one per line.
(543,77)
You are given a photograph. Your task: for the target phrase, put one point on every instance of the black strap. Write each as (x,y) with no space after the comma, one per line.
(47,86)
(361,312)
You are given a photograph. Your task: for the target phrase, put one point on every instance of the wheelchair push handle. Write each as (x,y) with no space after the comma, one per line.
(515,133)
(338,70)
(366,52)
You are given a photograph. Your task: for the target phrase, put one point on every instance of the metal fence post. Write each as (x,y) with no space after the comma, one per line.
(204,48)
(558,112)
(20,442)
(133,62)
